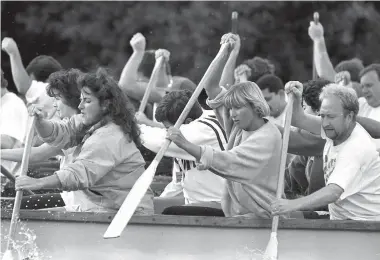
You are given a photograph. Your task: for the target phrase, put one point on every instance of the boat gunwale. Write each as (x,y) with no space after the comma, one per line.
(198,221)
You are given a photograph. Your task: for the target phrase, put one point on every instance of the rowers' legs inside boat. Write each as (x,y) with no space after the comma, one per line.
(38,201)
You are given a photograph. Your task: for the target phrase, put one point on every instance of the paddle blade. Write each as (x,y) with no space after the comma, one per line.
(131,202)
(271,252)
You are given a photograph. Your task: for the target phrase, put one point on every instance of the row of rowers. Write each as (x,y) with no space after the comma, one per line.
(226,154)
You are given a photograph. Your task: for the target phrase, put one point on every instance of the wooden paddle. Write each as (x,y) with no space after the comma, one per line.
(19,193)
(152,82)
(316,20)
(139,189)
(271,252)
(12,178)
(234,22)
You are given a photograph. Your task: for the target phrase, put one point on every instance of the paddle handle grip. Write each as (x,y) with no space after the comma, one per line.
(152,82)
(284,152)
(12,178)
(234,22)
(316,20)
(19,193)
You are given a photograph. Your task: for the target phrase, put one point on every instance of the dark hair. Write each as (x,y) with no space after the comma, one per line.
(4,82)
(42,66)
(311,92)
(119,107)
(259,67)
(373,67)
(271,82)
(353,66)
(65,82)
(172,105)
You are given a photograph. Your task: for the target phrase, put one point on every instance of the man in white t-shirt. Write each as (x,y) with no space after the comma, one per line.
(31,82)
(350,160)
(13,121)
(200,188)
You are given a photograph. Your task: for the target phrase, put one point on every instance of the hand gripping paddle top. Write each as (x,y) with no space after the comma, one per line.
(139,189)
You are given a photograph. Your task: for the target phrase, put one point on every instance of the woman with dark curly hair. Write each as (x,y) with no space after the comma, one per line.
(106,162)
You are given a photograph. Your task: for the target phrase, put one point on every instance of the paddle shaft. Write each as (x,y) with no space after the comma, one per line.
(316,20)
(152,83)
(12,178)
(284,152)
(189,106)
(19,193)
(234,22)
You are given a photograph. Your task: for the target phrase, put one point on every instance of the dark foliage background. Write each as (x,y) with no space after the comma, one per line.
(88,34)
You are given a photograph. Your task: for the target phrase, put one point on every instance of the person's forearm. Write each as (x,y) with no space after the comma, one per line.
(7,142)
(128,80)
(214,73)
(304,143)
(44,128)
(129,73)
(370,125)
(228,78)
(322,61)
(192,149)
(50,182)
(37,154)
(320,198)
(14,155)
(20,77)
(305,121)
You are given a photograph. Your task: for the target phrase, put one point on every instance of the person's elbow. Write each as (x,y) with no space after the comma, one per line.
(335,192)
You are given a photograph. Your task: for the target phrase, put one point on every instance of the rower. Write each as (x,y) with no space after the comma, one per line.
(351,163)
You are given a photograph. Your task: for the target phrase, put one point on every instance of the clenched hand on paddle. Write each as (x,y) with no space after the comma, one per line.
(138,190)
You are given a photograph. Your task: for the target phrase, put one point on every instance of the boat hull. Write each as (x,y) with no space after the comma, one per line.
(62,236)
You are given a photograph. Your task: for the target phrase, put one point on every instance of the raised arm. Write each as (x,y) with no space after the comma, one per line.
(322,60)
(212,86)
(228,78)
(20,77)
(128,79)
(301,119)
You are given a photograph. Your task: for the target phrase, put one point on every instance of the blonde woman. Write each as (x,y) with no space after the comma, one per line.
(251,162)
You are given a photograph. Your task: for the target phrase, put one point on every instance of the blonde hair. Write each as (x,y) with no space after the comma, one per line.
(245,93)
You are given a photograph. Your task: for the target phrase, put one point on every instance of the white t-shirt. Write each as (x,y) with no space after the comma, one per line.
(197,186)
(13,122)
(354,165)
(37,95)
(366,110)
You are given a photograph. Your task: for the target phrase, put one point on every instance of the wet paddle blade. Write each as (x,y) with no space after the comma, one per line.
(271,252)
(130,204)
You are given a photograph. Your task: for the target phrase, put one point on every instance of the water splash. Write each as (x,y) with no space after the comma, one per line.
(250,254)
(25,245)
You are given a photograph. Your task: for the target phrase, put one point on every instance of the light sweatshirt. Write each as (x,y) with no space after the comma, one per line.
(250,164)
(105,166)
